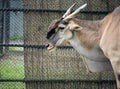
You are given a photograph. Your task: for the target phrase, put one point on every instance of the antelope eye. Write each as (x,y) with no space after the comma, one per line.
(61,28)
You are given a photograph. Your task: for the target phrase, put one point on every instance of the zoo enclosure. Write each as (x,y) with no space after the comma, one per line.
(23,27)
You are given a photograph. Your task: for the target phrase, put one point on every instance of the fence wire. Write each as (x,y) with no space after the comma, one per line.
(24,61)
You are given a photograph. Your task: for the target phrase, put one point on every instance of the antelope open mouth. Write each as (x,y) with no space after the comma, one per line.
(50,47)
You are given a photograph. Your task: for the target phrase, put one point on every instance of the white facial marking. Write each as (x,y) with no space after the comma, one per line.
(62,25)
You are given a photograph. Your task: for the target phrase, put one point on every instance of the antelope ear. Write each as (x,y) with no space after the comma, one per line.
(75,27)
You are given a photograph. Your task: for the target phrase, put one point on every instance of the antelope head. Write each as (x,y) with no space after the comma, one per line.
(60,30)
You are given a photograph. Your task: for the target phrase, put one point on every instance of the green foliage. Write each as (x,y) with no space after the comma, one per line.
(16,36)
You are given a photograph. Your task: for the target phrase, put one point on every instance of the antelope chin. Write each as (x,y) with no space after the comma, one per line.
(51,48)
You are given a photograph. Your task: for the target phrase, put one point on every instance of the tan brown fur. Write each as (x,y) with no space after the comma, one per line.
(88,40)
(89,35)
(110,40)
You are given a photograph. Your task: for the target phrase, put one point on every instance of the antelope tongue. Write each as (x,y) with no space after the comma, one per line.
(50,47)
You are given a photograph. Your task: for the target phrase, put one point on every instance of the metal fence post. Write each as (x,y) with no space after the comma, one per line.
(1,26)
(7,24)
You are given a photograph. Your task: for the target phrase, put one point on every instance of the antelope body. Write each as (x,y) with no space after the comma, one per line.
(99,41)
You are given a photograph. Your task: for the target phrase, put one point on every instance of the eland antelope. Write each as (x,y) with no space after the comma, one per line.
(99,41)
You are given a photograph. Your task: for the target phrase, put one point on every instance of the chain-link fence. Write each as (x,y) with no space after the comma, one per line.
(24,61)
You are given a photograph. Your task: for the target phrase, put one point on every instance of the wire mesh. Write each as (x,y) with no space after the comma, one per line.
(24,61)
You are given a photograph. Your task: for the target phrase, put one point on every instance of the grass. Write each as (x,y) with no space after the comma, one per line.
(16,48)
(12,68)
(12,85)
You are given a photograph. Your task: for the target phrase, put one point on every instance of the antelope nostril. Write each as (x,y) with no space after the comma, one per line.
(46,45)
